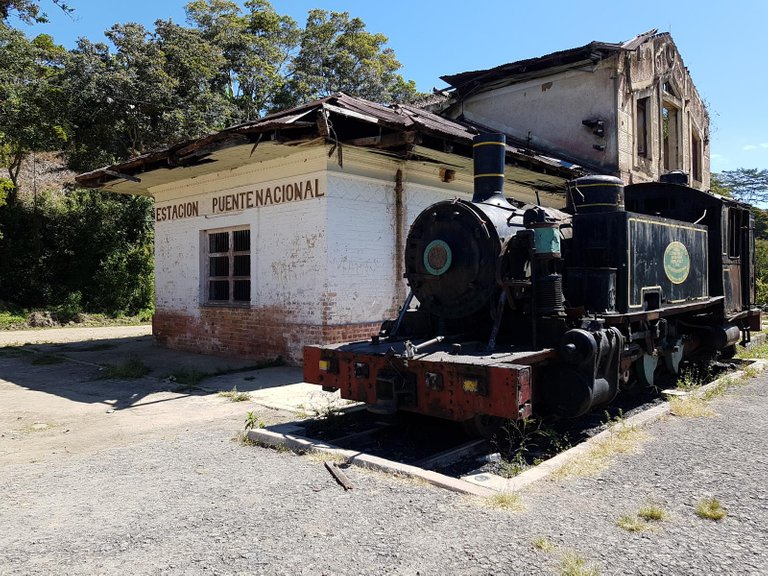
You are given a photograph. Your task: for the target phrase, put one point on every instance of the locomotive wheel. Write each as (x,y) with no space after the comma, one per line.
(482,426)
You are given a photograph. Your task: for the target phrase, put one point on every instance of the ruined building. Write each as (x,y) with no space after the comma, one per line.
(289,230)
(628,109)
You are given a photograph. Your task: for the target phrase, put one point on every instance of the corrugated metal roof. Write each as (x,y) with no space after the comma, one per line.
(340,119)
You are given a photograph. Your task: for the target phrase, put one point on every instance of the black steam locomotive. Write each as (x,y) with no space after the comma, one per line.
(524,310)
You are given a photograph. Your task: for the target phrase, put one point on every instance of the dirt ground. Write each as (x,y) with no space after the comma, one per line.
(55,399)
(134,476)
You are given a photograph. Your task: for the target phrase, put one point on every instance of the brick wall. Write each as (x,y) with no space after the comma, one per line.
(250,333)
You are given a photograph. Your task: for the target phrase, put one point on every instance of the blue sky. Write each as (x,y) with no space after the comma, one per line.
(721,44)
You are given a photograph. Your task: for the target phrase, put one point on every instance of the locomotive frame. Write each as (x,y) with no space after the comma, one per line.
(533,310)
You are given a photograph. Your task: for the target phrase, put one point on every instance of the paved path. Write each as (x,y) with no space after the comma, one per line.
(74,334)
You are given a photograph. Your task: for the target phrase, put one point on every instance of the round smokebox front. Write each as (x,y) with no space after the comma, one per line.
(450,259)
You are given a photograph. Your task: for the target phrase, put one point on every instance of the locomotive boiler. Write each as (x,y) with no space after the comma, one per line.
(520,310)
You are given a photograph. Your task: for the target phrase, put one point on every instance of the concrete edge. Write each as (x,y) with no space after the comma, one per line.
(303,444)
(481,485)
(639,420)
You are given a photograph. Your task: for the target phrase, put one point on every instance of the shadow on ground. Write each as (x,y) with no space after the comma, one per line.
(77,371)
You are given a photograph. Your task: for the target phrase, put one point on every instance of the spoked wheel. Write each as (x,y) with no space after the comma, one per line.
(482,426)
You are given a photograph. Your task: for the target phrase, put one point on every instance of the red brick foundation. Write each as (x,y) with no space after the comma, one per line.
(250,333)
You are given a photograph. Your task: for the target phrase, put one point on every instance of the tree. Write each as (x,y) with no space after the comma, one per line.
(256,47)
(749,185)
(337,54)
(31,113)
(28,10)
(155,89)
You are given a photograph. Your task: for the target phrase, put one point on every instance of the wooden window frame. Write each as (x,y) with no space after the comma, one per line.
(231,278)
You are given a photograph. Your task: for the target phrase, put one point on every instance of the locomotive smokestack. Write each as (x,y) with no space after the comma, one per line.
(488,152)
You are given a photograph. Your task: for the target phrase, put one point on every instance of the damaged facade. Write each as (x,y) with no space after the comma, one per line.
(629,109)
(289,230)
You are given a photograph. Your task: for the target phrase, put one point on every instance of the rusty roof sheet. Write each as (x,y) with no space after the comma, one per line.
(303,124)
(594,52)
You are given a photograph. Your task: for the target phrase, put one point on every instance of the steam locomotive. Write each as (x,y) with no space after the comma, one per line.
(520,310)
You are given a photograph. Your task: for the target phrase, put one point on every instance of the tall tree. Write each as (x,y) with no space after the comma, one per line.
(256,45)
(31,114)
(156,88)
(28,10)
(746,184)
(338,54)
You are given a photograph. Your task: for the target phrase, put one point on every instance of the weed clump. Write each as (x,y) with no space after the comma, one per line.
(710,509)
(505,500)
(130,368)
(235,396)
(574,565)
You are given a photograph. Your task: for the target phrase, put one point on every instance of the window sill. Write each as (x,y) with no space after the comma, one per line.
(225,304)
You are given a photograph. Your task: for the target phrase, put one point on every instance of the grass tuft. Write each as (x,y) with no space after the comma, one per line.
(574,565)
(631,523)
(690,407)
(543,543)
(505,500)
(753,352)
(710,509)
(652,513)
(235,396)
(130,368)
(622,439)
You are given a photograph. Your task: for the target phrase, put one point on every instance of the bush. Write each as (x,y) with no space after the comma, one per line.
(82,251)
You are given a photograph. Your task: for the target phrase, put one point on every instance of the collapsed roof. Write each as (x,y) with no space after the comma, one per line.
(399,131)
(465,83)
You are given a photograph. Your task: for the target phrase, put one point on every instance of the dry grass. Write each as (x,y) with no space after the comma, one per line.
(235,396)
(622,439)
(710,509)
(574,565)
(504,500)
(690,407)
(321,457)
(652,513)
(543,543)
(631,523)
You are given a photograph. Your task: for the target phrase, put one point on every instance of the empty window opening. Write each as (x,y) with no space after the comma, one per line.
(229,266)
(641,128)
(696,156)
(734,232)
(670,125)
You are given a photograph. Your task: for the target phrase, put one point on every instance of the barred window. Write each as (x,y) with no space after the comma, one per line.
(229,266)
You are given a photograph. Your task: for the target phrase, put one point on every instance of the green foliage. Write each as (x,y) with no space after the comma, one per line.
(81,251)
(6,188)
(28,10)
(32,117)
(337,54)
(746,184)
(761,271)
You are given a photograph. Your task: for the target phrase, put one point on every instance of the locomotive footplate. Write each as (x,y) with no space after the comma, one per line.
(440,382)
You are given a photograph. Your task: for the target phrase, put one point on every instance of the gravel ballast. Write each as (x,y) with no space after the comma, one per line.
(198,502)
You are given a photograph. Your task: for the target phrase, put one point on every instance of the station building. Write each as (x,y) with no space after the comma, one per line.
(289,230)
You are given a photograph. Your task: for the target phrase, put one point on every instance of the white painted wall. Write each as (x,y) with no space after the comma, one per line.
(361,236)
(287,239)
(550,111)
(326,260)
